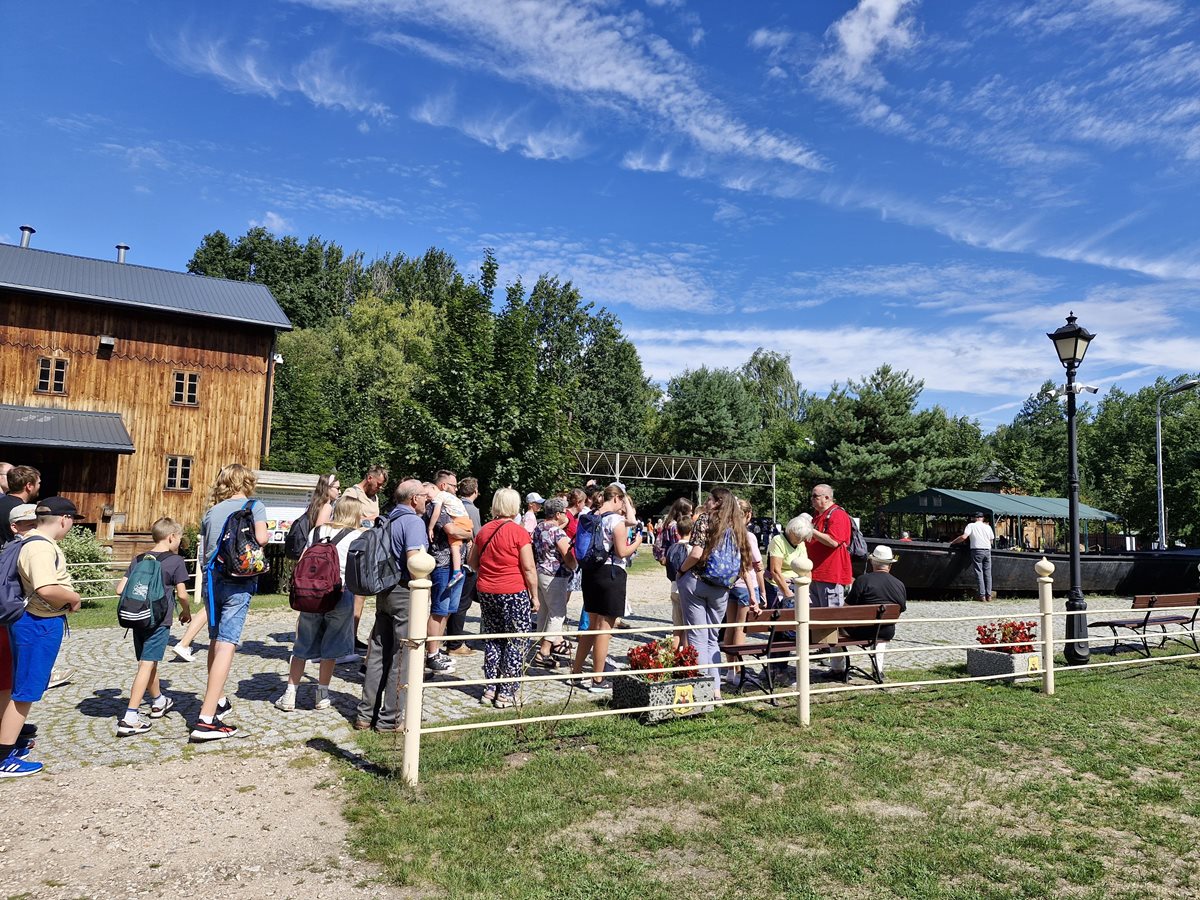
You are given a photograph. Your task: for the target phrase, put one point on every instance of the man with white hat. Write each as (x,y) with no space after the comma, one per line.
(878,585)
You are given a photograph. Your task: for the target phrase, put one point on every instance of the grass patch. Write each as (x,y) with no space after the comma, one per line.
(967,791)
(103,613)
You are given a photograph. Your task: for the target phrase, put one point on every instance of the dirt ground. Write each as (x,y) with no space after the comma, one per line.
(218,825)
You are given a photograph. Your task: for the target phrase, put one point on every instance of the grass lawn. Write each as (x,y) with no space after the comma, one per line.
(968,791)
(103,613)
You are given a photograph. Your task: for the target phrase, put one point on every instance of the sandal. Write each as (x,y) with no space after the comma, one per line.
(545,662)
(488,696)
(504,702)
(562,648)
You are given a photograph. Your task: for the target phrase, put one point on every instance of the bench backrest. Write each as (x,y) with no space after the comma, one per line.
(1165,601)
(765,620)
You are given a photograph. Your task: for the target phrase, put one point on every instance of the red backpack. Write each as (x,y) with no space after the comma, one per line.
(317,577)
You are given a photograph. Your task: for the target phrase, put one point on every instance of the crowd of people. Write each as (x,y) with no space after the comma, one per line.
(522,567)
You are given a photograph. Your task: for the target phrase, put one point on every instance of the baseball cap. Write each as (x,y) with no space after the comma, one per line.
(25,512)
(534,497)
(57,506)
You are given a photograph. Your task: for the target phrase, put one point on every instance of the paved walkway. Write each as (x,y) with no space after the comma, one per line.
(77,721)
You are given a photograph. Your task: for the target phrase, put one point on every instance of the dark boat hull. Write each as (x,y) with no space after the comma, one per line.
(938,570)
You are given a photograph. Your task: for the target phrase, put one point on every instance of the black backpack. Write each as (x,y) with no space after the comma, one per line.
(239,554)
(371,566)
(296,541)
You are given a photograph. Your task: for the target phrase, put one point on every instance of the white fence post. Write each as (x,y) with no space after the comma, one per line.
(1045,573)
(419,567)
(803,568)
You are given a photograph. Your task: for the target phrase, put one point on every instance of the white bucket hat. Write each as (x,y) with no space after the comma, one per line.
(882,555)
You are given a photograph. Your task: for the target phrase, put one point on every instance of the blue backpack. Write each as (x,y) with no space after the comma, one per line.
(724,565)
(12,595)
(589,542)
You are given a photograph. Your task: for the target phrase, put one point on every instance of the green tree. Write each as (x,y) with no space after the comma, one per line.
(614,404)
(769,380)
(303,416)
(709,412)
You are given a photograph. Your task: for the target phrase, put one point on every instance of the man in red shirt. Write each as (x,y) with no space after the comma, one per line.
(827,549)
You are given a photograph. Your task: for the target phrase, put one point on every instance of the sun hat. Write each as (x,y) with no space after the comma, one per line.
(882,555)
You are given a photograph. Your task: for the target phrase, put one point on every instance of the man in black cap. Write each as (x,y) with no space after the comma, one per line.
(37,635)
(980,534)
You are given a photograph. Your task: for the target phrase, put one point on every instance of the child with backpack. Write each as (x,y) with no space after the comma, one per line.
(235,532)
(325,629)
(36,595)
(148,591)
(673,558)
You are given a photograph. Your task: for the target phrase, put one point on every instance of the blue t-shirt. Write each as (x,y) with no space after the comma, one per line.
(408,533)
(214,520)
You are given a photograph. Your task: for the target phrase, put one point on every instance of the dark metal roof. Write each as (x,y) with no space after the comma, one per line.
(946,502)
(103,281)
(38,426)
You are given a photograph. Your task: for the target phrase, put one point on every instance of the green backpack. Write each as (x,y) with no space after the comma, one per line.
(144,604)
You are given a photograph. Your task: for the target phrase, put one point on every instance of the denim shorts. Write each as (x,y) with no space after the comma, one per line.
(228,605)
(35,643)
(739,595)
(150,647)
(326,635)
(444,599)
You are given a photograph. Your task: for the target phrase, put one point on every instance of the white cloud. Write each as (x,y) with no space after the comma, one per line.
(274,223)
(247,71)
(628,67)
(610,271)
(504,131)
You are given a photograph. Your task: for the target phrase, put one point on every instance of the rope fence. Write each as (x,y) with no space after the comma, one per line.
(800,653)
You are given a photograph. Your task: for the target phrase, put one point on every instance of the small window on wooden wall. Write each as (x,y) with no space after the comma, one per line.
(52,376)
(187,389)
(179,473)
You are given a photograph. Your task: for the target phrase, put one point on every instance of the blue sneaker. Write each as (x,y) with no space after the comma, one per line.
(14,767)
(456,578)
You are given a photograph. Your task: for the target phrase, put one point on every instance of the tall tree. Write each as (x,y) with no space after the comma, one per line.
(709,412)
(770,382)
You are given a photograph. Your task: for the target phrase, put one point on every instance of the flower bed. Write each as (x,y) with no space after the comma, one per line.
(1007,649)
(662,688)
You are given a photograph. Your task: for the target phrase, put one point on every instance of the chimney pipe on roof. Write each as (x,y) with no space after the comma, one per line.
(121,248)
(27,231)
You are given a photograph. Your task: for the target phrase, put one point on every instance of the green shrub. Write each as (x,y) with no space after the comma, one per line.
(81,547)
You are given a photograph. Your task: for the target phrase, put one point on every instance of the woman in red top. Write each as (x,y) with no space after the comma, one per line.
(502,554)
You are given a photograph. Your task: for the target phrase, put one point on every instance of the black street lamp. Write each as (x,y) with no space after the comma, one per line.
(1071,341)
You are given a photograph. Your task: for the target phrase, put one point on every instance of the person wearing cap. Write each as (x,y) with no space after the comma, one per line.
(37,636)
(876,585)
(533,505)
(22,519)
(979,534)
(24,482)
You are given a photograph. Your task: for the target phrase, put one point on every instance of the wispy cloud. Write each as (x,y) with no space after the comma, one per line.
(504,131)
(629,67)
(611,271)
(247,70)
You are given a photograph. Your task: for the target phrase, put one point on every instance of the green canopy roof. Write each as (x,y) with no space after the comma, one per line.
(946,502)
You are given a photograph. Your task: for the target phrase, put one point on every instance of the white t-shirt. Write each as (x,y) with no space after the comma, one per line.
(342,546)
(980,535)
(451,504)
(611,523)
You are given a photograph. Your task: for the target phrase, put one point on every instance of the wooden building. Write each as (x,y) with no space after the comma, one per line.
(129,387)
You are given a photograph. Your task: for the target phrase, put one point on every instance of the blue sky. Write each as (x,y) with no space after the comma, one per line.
(931,185)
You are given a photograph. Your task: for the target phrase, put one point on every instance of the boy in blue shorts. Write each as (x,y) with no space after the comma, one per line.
(37,635)
(149,646)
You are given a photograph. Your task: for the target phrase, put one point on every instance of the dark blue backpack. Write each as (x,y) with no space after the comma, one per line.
(589,541)
(12,595)
(724,565)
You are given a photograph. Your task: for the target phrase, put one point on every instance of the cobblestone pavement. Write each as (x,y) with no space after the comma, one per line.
(77,721)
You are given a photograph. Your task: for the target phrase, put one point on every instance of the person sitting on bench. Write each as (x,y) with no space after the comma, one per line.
(877,585)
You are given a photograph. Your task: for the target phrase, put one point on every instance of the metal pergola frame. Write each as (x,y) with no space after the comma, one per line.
(616,465)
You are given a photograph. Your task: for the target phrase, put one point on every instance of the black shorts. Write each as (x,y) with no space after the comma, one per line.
(604,591)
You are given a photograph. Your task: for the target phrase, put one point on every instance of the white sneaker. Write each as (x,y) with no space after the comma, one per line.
(184,653)
(288,701)
(322,698)
(59,677)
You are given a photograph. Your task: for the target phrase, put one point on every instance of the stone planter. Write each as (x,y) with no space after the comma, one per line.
(995,662)
(633,692)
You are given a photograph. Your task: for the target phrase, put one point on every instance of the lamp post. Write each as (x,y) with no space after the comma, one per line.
(1162,509)
(1071,342)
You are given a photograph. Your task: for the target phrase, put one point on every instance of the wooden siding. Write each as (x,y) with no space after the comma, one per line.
(136,380)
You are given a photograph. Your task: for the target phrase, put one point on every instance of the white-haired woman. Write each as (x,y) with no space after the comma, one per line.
(507,588)
(782,552)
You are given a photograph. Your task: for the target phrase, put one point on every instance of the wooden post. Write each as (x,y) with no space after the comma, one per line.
(802,566)
(419,567)
(1045,581)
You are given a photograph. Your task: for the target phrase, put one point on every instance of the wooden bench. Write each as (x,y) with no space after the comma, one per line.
(823,637)
(1149,609)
